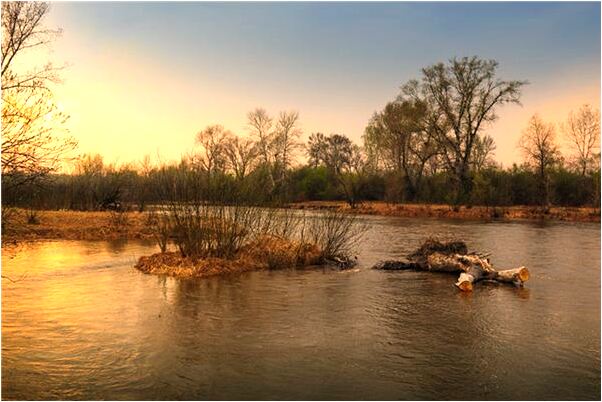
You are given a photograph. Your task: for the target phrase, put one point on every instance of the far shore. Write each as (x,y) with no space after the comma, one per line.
(77,225)
(103,225)
(483,213)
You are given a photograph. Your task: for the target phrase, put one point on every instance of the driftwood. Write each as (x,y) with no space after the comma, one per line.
(453,257)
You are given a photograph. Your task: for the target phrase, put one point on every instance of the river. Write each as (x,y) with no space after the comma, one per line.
(81,323)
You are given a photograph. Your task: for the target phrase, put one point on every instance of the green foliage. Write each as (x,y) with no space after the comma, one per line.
(126,189)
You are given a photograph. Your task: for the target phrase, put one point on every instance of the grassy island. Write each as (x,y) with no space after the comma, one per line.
(266,253)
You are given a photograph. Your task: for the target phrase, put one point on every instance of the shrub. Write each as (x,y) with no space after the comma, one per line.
(335,233)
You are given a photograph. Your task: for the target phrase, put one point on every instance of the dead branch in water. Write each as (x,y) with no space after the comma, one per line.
(453,257)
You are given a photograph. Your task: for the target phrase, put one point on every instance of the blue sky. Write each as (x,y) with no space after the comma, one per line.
(196,64)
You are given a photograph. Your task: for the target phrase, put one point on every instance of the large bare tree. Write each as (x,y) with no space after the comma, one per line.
(34,138)
(461,97)
(538,144)
(582,131)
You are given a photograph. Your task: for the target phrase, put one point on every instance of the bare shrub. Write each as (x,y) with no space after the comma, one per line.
(162,229)
(335,233)
(118,220)
(208,219)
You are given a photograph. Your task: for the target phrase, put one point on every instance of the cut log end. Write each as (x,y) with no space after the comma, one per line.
(464,286)
(523,274)
(465,282)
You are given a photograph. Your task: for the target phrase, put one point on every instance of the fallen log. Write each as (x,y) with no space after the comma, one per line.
(453,257)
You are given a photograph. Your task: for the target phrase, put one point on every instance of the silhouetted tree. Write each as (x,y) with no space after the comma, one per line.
(582,130)
(540,150)
(461,98)
(213,140)
(286,138)
(32,144)
(334,151)
(242,154)
(482,157)
(396,138)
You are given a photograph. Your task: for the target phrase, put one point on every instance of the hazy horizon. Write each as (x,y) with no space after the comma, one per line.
(143,78)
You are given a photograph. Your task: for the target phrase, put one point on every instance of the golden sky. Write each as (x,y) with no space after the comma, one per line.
(144,78)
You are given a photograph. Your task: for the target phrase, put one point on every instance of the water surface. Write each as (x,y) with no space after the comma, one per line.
(81,323)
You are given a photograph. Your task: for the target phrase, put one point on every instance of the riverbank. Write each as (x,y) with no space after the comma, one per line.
(76,225)
(581,214)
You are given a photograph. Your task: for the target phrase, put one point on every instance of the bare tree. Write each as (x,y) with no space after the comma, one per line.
(260,126)
(90,165)
(242,154)
(582,131)
(540,150)
(33,141)
(461,99)
(286,138)
(213,139)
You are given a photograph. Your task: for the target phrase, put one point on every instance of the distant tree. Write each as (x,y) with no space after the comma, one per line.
(242,154)
(32,125)
(396,139)
(333,151)
(316,149)
(286,138)
(538,143)
(90,165)
(484,149)
(352,176)
(461,98)
(582,131)
(344,161)
(213,140)
(260,126)
(142,186)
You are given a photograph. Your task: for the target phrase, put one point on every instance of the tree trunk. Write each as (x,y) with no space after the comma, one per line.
(434,256)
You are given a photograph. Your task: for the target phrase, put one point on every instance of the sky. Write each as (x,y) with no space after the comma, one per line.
(144,78)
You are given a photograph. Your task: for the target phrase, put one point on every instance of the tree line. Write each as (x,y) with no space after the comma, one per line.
(263,168)
(428,144)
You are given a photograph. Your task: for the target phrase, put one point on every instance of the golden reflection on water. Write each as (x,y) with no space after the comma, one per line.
(84,324)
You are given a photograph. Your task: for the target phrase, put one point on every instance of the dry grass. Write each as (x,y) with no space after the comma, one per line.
(74,225)
(265,253)
(581,214)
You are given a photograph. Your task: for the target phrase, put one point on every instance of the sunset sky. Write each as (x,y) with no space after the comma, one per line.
(143,78)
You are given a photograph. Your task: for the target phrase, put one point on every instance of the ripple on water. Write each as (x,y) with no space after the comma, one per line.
(85,325)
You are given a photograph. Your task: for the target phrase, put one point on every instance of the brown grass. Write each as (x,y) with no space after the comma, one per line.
(581,214)
(74,225)
(265,253)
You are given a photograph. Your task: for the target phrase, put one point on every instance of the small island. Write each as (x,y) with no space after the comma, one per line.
(219,240)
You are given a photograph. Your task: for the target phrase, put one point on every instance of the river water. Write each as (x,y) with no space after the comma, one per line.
(81,323)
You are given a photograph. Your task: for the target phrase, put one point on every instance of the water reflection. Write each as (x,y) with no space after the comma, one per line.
(86,325)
